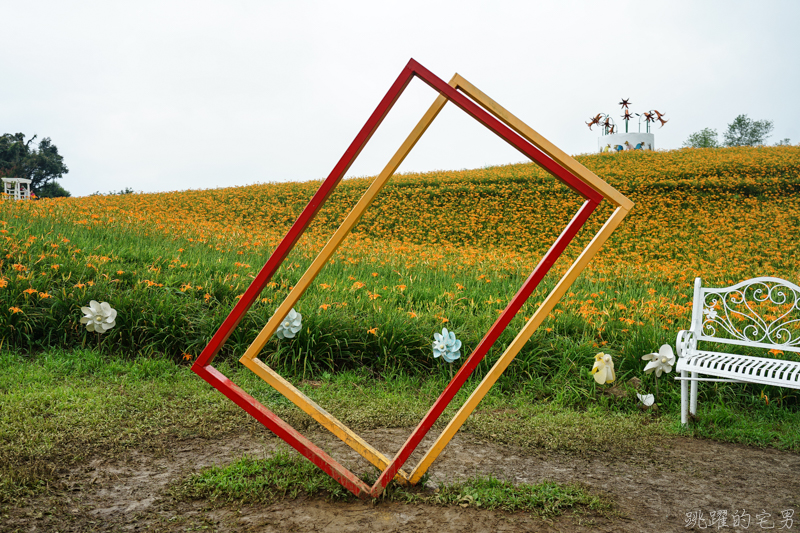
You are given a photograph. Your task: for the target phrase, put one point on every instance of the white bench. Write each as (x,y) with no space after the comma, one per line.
(757,313)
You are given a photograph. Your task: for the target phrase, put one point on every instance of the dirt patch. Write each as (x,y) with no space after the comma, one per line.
(652,490)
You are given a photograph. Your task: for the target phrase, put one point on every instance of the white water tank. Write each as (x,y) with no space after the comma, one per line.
(619,139)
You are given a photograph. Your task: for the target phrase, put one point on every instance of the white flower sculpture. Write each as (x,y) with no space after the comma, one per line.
(99,317)
(290,326)
(646,399)
(603,369)
(446,345)
(660,362)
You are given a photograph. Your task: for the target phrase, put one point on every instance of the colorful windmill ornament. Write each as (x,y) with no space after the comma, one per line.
(609,128)
(487,112)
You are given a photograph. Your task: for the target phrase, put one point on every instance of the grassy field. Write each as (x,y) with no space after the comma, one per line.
(439,249)
(61,408)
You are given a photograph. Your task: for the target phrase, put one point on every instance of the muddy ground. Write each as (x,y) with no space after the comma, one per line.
(652,490)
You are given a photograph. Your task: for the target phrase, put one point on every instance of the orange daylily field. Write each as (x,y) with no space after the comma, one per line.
(435,249)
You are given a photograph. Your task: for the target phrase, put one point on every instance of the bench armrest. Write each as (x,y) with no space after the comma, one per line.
(686,343)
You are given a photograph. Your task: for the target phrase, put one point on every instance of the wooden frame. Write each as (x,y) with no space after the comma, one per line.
(505,125)
(623,206)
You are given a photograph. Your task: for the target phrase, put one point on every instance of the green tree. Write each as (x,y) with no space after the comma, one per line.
(41,164)
(745,132)
(705,138)
(126,190)
(52,190)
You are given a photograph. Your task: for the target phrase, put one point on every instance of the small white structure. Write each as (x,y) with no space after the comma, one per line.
(17,188)
(609,143)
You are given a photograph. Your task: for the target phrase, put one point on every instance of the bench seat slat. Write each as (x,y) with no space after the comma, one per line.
(763,370)
(779,371)
(755,370)
(790,373)
(743,367)
(775,370)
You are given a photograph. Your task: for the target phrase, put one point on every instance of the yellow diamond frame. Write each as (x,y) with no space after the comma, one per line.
(250,358)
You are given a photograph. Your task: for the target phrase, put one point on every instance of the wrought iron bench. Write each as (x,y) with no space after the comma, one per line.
(757,313)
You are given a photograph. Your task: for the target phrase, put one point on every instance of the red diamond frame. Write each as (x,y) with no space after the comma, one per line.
(202,365)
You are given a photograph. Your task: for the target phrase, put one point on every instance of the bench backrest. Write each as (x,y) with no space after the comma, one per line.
(759,312)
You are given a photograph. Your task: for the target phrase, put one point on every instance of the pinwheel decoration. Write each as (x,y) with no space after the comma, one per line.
(601,119)
(609,128)
(651,116)
(594,121)
(626,117)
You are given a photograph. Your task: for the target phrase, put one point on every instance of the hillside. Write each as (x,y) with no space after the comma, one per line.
(438,247)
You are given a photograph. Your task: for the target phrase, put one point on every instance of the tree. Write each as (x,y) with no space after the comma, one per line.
(53,190)
(745,132)
(41,165)
(705,138)
(126,190)
(784,142)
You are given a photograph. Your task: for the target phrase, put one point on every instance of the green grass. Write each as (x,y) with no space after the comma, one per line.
(62,407)
(545,499)
(283,475)
(759,426)
(288,475)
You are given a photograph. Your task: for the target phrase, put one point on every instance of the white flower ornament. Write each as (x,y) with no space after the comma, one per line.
(603,369)
(446,345)
(290,326)
(99,317)
(661,362)
(646,399)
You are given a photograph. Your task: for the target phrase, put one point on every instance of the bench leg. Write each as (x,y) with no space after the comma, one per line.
(693,404)
(684,397)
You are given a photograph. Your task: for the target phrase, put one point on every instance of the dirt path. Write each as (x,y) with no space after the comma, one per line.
(653,490)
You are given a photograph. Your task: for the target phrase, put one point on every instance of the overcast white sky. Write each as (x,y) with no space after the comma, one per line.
(161,96)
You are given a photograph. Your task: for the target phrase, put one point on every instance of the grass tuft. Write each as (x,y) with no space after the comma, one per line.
(546,499)
(288,475)
(248,480)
